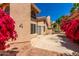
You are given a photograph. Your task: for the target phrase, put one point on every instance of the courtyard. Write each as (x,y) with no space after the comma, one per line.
(55,42)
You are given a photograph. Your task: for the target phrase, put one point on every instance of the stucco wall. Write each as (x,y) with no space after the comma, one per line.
(21,15)
(42,24)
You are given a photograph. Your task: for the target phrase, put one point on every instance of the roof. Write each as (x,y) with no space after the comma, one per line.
(35,8)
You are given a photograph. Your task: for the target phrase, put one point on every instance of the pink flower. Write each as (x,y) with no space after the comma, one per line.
(71,29)
(7,29)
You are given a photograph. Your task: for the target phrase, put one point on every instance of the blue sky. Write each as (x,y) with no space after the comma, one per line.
(55,10)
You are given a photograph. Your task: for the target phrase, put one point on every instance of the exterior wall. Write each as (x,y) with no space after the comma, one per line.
(42,24)
(39,23)
(21,15)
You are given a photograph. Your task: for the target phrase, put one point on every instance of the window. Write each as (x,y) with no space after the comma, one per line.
(33,28)
(33,15)
(44,28)
(7,10)
(39,30)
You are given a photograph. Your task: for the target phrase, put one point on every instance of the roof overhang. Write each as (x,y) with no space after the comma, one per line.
(35,8)
(39,19)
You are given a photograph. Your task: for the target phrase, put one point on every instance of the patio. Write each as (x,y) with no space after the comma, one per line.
(56,42)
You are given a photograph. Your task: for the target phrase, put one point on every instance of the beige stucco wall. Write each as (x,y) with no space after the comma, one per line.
(42,24)
(21,14)
(32,21)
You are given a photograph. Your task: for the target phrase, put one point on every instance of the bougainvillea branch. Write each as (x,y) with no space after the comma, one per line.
(7,29)
(71,29)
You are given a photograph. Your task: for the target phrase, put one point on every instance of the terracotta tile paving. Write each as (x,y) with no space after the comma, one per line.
(26,50)
(43,52)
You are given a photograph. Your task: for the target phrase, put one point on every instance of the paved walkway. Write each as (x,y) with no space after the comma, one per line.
(54,42)
(44,45)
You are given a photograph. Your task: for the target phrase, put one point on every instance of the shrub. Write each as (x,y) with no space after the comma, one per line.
(71,29)
(7,29)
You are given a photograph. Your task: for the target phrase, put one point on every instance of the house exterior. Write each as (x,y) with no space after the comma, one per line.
(34,12)
(28,25)
(39,25)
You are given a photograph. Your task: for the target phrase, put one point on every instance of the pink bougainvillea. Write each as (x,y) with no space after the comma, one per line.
(71,29)
(7,29)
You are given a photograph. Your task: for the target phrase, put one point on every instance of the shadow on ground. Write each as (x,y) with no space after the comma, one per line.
(68,44)
(11,52)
